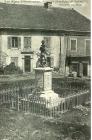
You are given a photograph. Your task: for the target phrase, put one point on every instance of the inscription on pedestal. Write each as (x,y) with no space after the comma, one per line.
(47,81)
(39,81)
(43,78)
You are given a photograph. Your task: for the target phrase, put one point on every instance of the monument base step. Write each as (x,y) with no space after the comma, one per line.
(51,97)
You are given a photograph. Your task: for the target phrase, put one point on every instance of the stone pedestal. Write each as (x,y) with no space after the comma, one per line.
(43,84)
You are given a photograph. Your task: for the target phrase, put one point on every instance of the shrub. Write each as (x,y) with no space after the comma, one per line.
(1,70)
(12,69)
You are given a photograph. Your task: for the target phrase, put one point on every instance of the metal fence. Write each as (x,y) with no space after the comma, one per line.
(38,106)
(67,86)
(16,96)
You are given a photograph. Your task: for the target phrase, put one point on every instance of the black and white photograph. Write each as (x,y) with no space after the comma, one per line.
(45,69)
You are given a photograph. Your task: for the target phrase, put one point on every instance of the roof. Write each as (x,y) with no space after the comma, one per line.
(16,16)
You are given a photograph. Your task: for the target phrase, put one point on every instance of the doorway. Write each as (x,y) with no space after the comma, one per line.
(75,68)
(85,71)
(27,64)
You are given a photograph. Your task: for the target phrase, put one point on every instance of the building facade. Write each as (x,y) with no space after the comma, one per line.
(22,49)
(78,54)
(67,41)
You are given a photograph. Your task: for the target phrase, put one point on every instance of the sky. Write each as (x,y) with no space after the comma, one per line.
(82,6)
(85,9)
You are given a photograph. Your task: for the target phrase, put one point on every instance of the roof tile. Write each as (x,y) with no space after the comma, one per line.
(38,17)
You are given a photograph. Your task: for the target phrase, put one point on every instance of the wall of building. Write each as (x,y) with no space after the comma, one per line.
(55,41)
(13,52)
(78,53)
(35,45)
(88,69)
(0,50)
(81,45)
(0,42)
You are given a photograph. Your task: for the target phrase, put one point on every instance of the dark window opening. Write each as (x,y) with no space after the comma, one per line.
(27,64)
(73,45)
(15,42)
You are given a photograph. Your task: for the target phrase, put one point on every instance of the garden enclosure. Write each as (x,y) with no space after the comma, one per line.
(21,95)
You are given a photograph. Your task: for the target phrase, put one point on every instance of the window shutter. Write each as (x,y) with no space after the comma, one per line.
(52,61)
(47,41)
(9,42)
(19,42)
(29,42)
(88,47)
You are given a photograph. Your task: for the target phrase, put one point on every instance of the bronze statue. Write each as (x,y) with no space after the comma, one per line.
(42,61)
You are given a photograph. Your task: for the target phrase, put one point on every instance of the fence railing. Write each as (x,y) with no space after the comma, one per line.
(68,86)
(41,106)
(16,96)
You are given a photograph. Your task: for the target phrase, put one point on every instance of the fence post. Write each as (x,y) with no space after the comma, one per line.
(28,105)
(18,103)
(12,103)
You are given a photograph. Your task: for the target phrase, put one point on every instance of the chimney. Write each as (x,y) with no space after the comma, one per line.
(47,5)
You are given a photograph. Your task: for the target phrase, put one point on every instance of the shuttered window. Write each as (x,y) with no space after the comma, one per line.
(14,42)
(27,42)
(14,60)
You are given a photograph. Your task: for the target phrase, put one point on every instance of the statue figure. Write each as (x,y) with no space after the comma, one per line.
(42,61)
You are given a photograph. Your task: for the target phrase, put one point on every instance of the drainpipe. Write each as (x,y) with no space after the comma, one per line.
(60,56)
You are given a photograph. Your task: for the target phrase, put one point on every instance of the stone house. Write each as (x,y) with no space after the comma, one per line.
(65,31)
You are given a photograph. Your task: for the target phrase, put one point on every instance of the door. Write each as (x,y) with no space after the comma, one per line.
(49,61)
(85,69)
(27,65)
(74,68)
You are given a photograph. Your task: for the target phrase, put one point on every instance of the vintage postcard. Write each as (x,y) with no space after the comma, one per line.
(45,70)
